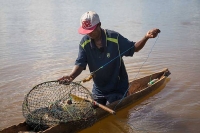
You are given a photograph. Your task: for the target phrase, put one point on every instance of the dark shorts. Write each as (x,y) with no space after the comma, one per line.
(108,98)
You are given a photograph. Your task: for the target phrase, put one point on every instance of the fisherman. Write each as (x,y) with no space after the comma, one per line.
(102,50)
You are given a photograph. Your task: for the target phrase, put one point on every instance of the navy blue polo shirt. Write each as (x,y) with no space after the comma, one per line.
(110,74)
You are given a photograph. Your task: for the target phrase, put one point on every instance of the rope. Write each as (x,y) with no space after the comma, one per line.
(112,60)
(133,127)
(138,72)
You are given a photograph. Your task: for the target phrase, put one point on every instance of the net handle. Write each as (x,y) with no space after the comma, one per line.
(97,104)
(94,102)
(103,107)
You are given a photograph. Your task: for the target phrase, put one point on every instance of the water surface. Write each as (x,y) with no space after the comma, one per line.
(39,42)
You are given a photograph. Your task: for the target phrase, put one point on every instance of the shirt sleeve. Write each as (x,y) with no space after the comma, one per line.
(82,58)
(126,47)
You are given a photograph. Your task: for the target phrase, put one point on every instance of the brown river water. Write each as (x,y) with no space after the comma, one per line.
(39,42)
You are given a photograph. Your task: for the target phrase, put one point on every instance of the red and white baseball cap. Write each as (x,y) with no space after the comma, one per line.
(88,21)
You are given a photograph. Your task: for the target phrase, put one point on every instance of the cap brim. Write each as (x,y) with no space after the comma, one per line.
(86,31)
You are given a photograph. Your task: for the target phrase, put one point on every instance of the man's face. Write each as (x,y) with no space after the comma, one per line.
(95,33)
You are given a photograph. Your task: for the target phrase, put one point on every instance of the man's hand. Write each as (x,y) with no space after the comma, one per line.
(65,80)
(75,72)
(152,33)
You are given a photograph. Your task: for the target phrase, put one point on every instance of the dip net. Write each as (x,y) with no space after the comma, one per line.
(51,103)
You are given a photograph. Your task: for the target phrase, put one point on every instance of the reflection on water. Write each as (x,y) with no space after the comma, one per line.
(39,42)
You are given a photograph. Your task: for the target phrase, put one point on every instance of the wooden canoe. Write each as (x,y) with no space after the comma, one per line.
(139,88)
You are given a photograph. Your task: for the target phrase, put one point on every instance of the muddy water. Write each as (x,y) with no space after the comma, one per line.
(39,42)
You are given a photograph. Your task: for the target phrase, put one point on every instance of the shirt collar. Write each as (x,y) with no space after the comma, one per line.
(103,39)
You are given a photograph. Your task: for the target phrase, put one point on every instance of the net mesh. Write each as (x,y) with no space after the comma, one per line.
(51,103)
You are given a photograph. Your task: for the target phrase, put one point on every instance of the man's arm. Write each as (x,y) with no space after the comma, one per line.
(75,72)
(150,34)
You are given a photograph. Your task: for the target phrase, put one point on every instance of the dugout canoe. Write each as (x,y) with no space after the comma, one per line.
(139,88)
